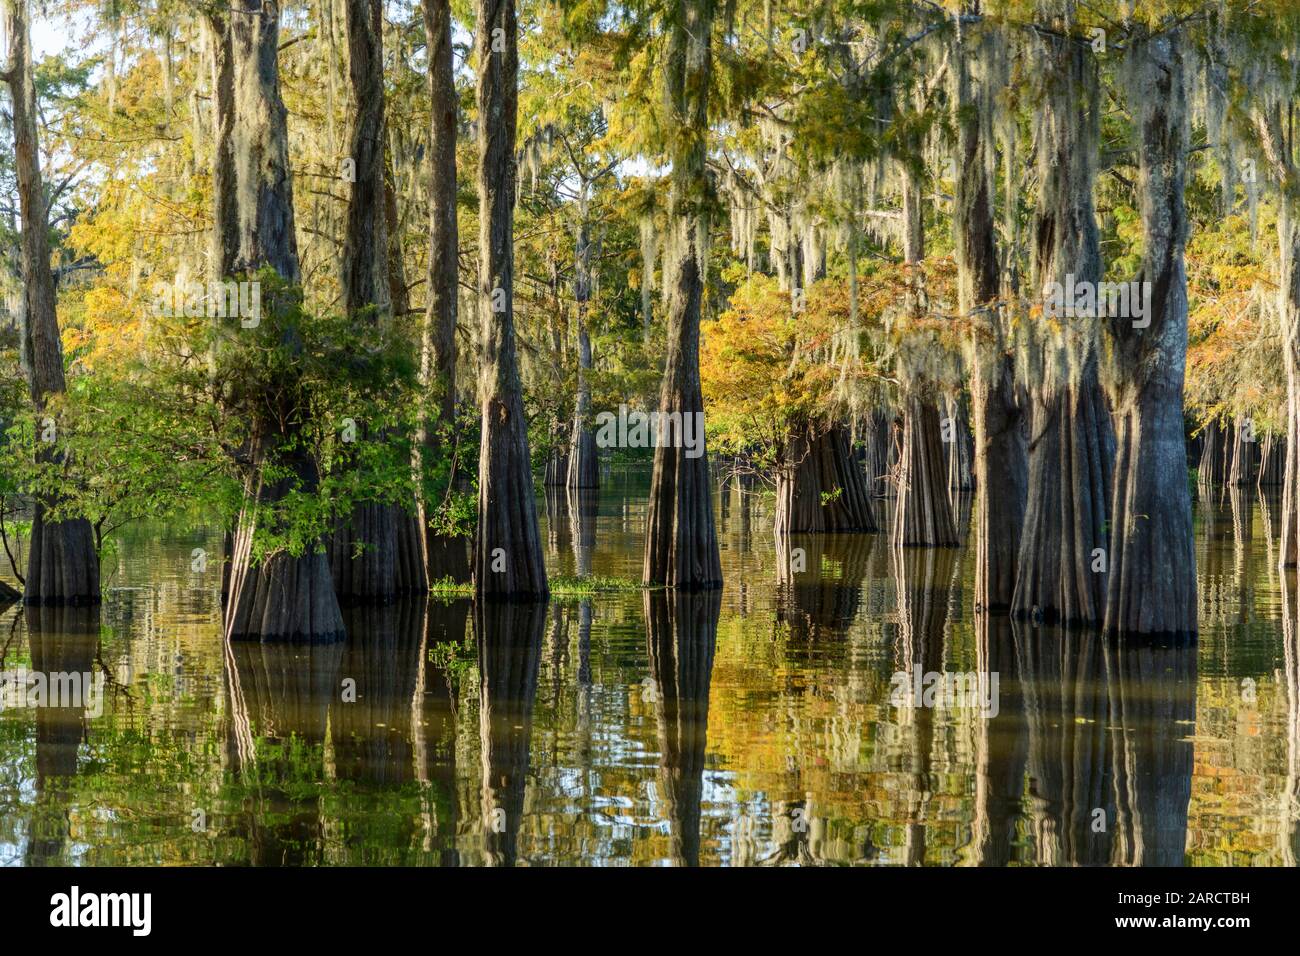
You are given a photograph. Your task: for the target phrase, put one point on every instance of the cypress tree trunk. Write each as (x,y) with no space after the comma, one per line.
(1210,473)
(881,454)
(372,554)
(507,552)
(1001,454)
(681,541)
(1061,572)
(1152,581)
(445,556)
(922,511)
(63,566)
(1267,116)
(283,596)
(820,486)
(583,464)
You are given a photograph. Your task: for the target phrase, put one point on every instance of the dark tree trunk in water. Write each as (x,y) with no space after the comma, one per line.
(1001,454)
(283,596)
(445,556)
(374,554)
(1152,578)
(958,449)
(923,511)
(62,565)
(1272,457)
(682,633)
(1210,472)
(681,547)
(509,637)
(1269,122)
(507,552)
(881,453)
(583,465)
(1061,574)
(820,486)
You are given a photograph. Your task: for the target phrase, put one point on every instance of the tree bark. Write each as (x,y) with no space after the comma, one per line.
(1071,448)
(1001,454)
(508,551)
(1152,581)
(681,540)
(445,556)
(584,471)
(923,508)
(820,487)
(922,511)
(283,596)
(1267,117)
(374,553)
(63,565)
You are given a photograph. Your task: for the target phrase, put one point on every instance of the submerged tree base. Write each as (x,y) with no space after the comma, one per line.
(63,565)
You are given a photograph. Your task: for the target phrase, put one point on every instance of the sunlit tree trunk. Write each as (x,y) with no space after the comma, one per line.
(1061,573)
(507,552)
(372,551)
(681,541)
(583,465)
(1152,579)
(445,556)
(282,596)
(922,509)
(62,566)
(1001,455)
(1277,150)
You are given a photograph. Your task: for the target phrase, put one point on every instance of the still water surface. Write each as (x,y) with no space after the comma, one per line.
(754,727)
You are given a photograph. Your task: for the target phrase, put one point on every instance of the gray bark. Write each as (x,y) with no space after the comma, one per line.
(283,596)
(507,512)
(1071,446)
(1001,454)
(444,555)
(1152,580)
(63,566)
(374,553)
(584,469)
(681,540)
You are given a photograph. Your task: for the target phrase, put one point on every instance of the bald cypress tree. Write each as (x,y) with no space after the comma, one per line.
(62,566)
(1061,570)
(1001,452)
(507,552)
(444,555)
(282,596)
(1152,579)
(681,547)
(376,553)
